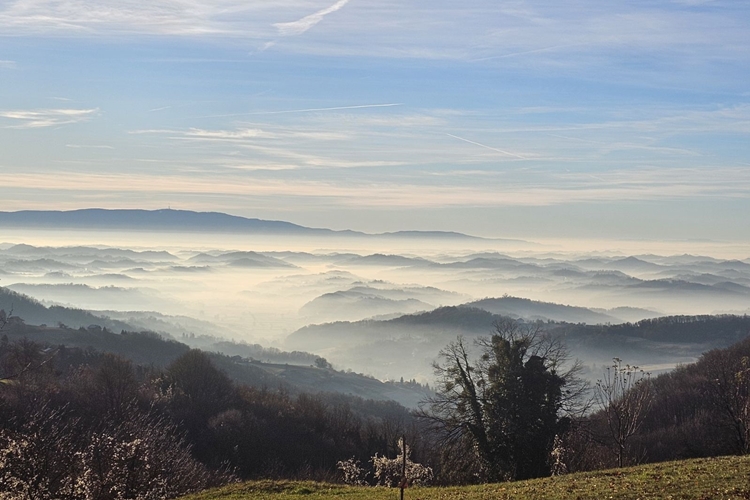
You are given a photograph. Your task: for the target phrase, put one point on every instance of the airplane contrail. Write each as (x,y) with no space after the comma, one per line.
(531,51)
(487,147)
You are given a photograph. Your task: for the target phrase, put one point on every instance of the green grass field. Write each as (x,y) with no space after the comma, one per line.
(709,478)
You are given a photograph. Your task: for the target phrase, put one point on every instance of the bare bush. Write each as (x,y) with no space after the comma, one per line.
(47,456)
(142,458)
(388,471)
(353,472)
(38,455)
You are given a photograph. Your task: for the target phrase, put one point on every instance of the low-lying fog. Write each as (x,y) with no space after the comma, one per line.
(263,290)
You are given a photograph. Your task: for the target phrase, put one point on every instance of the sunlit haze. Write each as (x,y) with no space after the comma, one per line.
(600,153)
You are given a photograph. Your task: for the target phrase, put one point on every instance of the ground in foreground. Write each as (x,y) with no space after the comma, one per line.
(708,478)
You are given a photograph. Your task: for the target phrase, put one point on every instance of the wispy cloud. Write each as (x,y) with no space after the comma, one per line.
(40,118)
(88,146)
(300,26)
(625,185)
(248,133)
(5,64)
(532,35)
(309,110)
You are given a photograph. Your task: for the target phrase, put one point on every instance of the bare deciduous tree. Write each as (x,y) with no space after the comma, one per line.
(729,389)
(624,396)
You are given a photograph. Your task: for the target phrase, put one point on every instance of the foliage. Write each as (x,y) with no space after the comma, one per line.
(113,423)
(81,410)
(696,410)
(85,437)
(503,410)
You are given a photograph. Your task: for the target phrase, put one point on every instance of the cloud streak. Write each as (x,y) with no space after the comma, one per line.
(300,26)
(41,118)
(248,133)
(309,110)
(88,146)
(643,184)
(541,34)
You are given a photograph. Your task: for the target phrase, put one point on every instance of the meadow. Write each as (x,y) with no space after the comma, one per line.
(704,478)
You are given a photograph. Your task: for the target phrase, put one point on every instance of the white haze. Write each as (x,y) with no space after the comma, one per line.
(235,299)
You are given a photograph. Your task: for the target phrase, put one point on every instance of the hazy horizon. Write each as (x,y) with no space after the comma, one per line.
(571,136)
(729,249)
(262,289)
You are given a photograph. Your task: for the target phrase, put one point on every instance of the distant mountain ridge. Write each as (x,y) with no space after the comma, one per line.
(165,219)
(186,220)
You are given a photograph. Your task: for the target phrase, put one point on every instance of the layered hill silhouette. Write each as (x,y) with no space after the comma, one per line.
(75,328)
(412,342)
(187,221)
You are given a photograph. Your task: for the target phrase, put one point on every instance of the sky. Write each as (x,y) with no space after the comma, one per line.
(528,119)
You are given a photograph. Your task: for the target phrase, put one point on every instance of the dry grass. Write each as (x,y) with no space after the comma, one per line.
(709,478)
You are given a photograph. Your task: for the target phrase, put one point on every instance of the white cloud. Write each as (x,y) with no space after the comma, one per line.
(433,142)
(4,64)
(249,133)
(88,146)
(310,110)
(533,33)
(40,118)
(300,26)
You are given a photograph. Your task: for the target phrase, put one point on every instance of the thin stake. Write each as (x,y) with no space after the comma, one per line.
(403,465)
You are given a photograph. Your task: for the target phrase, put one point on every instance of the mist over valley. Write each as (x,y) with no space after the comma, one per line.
(380,306)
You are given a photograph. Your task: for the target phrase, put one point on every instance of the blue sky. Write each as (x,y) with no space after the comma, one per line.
(524,119)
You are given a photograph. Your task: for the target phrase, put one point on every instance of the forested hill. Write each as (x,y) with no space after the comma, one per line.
(722,329)
(148,348)
(36,313)
(449,321)
(412,342)
(441,324)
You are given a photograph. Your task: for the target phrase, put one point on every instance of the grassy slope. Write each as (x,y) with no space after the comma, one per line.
(711,478)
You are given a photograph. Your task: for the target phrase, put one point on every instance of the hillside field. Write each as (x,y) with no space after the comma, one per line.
(705,478)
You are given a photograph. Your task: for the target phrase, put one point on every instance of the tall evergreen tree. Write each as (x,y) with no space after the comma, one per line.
(504,408)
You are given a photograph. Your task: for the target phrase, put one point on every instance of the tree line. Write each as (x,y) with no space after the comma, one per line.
(79,423)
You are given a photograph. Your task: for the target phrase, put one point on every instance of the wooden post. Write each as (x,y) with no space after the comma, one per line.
(403,465)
